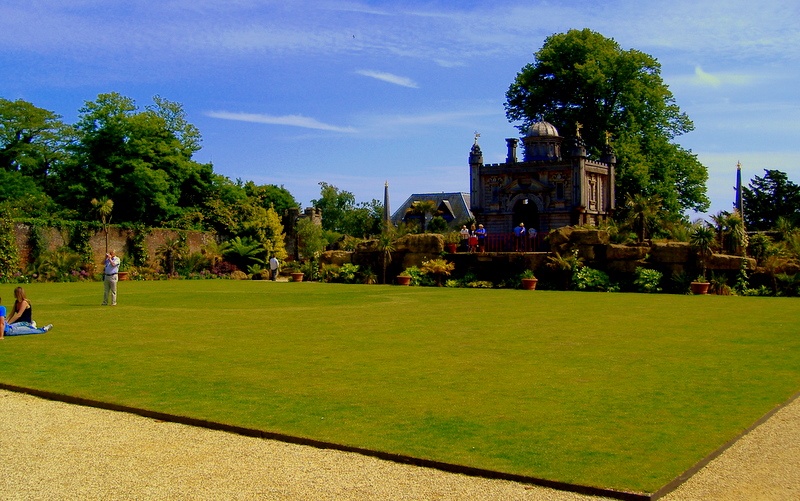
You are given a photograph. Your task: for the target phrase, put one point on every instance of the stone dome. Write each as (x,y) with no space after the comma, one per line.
(542,129)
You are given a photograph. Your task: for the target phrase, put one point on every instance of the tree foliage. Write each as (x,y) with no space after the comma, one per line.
(583,77)
(341,214)
(769,198)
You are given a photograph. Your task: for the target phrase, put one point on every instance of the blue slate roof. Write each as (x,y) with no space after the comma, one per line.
(454,206)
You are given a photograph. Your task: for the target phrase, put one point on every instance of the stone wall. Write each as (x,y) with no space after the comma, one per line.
(117,239)
(593,246)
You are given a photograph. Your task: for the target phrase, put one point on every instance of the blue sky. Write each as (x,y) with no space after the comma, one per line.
(358,93)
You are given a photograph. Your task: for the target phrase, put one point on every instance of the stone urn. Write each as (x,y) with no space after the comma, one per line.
(699,288)
(297,276)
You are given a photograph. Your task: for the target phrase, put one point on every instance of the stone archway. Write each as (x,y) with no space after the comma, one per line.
(526,211)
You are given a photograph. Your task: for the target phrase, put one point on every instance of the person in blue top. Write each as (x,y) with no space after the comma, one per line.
(110,277)
(481,234)
(519,237)
(18,323)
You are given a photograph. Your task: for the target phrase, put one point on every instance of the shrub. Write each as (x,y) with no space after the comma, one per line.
(418,277)
(437,225)
(329,273)
(239,275)
(589,279)
(310,269)
(480,284)
(348,273)
(9,254)
(648,280)
(223,269)
(369,277)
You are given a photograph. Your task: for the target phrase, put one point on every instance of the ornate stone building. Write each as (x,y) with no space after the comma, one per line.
(555,184)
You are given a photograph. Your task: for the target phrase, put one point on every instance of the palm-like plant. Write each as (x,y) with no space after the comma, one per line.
(421,209)
(439,268)
(103,207)
(386,246)
(242,252)
(703,240)
(171,251)
(642,212)
(731,234)
(565,266)
(738,234)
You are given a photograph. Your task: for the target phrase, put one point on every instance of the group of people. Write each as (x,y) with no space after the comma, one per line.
(21,320)
(522,236)
(473,239)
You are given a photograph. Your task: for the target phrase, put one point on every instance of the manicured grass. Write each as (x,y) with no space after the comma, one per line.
(622,391)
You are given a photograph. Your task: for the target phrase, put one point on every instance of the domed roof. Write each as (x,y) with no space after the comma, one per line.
(542,129)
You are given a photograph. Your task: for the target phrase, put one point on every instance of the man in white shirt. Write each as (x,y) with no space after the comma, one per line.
(273,268)
(110,278)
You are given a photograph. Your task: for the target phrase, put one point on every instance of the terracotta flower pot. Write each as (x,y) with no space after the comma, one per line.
(700,288)
(297,276)
(403,280)
(123,275)
(529,284)
(452,248)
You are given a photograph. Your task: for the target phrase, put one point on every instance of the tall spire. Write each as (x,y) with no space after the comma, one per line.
(738,203)
(386,213)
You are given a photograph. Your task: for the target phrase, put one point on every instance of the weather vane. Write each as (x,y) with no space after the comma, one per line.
(477,135)
(578,127)
(608,138)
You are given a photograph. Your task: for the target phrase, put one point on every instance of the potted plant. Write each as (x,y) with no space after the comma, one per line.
(292,268)
(700,285)
(404,278)
(528,280)
(451,241)
(702,239)
(123,270)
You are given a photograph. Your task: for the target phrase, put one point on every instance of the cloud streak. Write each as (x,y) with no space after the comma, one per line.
(389,78)
(288,120)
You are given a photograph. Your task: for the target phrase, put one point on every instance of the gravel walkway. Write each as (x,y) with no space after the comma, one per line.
(52,450)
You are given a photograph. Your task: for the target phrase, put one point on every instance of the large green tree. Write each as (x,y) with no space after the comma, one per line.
(140,159)
(341,214)
(768,198)
(583,77)
(32,139)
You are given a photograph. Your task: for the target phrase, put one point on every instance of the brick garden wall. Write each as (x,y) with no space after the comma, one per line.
(117,240)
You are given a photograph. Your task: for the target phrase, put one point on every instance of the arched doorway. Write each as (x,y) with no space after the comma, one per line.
(526,211)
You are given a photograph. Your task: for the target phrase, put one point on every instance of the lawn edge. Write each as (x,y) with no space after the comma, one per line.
(396,458)
(686,475)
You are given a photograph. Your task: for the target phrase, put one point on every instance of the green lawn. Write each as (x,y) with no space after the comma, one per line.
(622,391)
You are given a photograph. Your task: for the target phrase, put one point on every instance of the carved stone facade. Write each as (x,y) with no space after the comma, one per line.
(547,189)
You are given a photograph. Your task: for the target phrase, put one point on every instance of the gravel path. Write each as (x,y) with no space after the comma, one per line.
(52,450)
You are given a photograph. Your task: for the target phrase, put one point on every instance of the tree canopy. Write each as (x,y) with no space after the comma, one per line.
(142,159)
(769,198)
(583,77)
(341,214)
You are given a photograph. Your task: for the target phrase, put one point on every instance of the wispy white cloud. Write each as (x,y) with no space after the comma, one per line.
(702,78)
(389,77)
(290,120)
(449,36)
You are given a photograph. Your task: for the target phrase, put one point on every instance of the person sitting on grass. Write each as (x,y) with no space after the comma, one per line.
(20,322)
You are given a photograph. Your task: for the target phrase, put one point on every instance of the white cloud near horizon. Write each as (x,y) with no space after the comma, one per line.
(389,78)
(290,120)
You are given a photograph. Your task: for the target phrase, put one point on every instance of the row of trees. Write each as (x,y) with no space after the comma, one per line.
(139,158)
(136,166)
